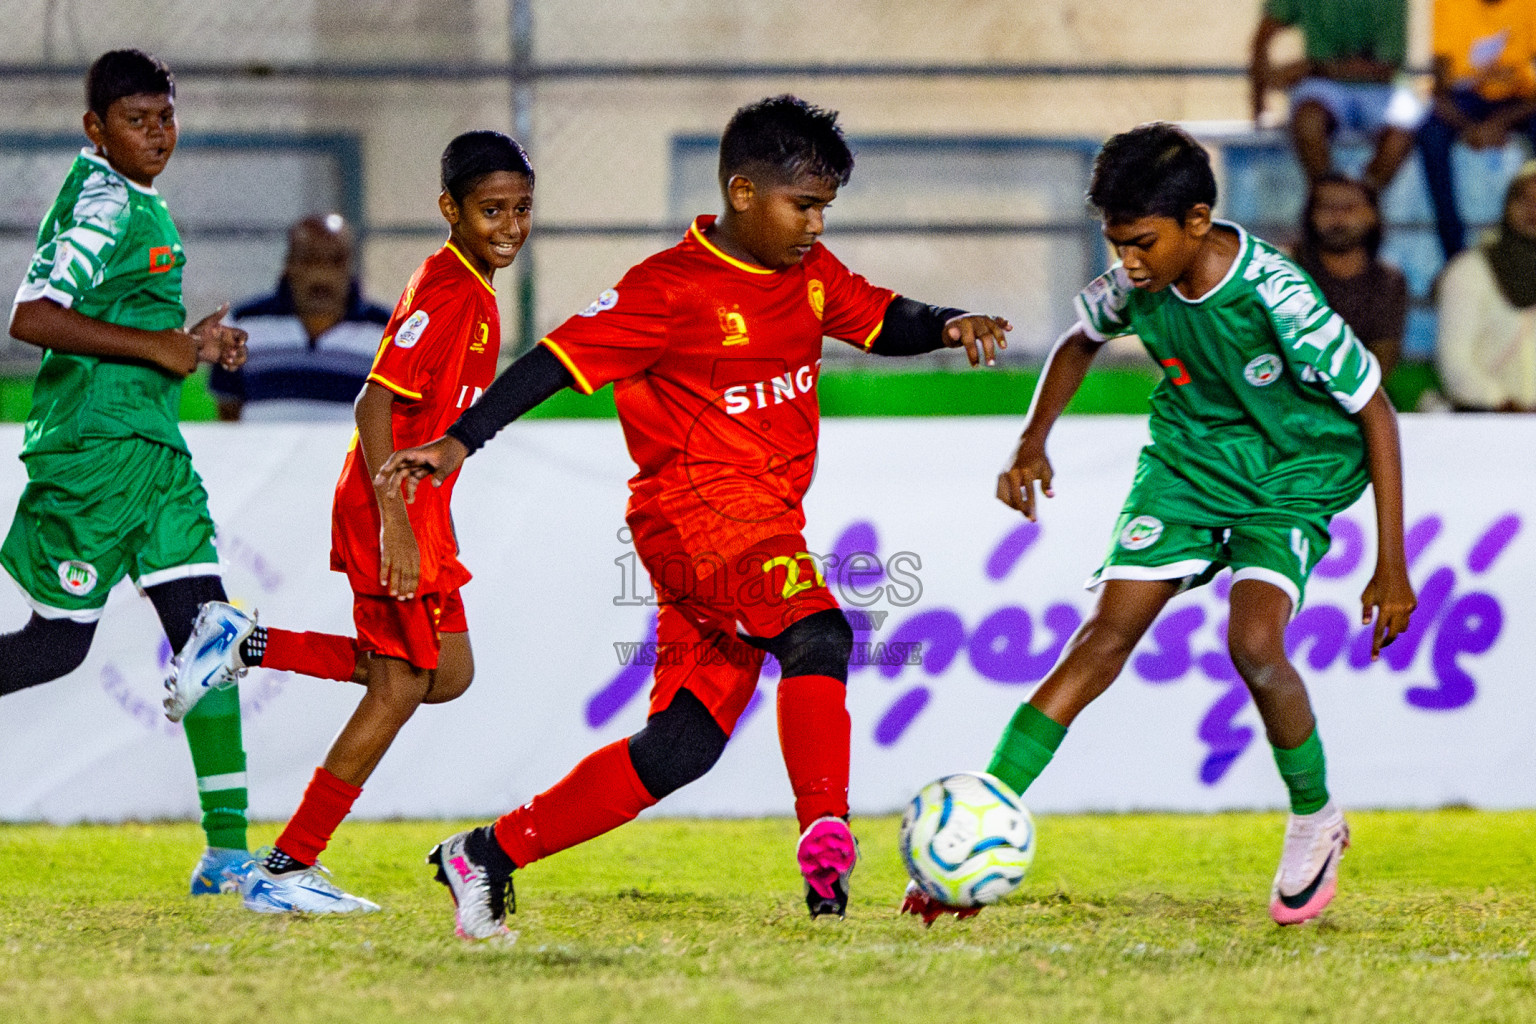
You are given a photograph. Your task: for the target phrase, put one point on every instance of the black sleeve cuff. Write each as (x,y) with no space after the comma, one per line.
(911,328)
(527,382)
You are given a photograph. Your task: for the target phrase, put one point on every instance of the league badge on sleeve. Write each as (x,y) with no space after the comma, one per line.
(411,331)
(607,300)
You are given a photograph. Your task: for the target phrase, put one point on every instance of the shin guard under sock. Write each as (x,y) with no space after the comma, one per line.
(327,800)
(1026,747)
(212,729)
(600,794)
(1305,772)
(321,655)
(814,733)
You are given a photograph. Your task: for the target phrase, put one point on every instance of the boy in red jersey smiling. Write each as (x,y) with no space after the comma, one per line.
(412,648)
(713,348)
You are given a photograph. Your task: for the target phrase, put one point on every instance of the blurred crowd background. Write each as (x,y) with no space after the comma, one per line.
(1377,138)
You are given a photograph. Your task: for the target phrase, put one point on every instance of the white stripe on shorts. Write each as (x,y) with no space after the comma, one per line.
(48,611)
(1185,570)
(179,572)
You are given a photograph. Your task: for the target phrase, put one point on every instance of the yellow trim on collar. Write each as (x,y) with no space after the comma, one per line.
(455,250)
(693,229)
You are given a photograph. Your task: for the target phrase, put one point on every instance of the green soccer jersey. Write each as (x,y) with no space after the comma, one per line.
(108,250)
(1253,421)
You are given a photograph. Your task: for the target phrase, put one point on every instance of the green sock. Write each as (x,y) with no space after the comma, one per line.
(1305,773)
(218,757)
(1027,746)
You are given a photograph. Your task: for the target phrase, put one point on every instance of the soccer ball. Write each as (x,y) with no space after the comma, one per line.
(967,840)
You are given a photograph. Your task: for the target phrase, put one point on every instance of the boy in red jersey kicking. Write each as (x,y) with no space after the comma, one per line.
(438,355)
(713,348)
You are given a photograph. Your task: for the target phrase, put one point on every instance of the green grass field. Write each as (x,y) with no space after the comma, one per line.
(1124,918)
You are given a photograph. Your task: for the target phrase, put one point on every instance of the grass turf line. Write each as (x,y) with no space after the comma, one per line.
(1137,917)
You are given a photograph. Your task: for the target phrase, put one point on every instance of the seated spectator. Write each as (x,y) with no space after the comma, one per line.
(1351,78)
(1485,87)
(312,342)
(1340,237)
(1487,346)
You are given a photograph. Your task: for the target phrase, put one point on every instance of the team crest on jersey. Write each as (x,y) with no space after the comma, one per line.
(734,326)
(78,578)
(816,293)
(1263,371)
(607,300)
(410,332)
(1141,532)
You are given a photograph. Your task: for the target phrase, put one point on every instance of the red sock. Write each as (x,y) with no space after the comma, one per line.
(326,801)
(813,732)
(322,655)
(600,794)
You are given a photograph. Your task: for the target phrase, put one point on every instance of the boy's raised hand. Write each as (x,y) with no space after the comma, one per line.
(1390,595)
(981,336)
(218,342)
(1016,484)
(437,459)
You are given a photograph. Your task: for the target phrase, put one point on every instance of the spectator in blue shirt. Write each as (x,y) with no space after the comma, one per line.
(312,342)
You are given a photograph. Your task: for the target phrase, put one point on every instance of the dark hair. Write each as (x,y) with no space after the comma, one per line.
(787,136)
(119,73)
(1154,170)
(470,158)
(1309,238)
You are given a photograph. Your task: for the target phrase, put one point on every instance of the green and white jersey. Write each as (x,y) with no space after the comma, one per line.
(1253,419)
(108,250)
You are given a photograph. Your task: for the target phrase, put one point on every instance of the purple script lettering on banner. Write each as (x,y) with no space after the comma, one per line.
(622,688)
(1003,648)
(1468,624)
(1172,658)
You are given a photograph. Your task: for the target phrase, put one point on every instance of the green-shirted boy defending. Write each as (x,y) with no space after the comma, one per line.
(1270,420)
(111,488)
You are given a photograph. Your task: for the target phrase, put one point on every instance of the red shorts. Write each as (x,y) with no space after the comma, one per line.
(407,630)
(707,603)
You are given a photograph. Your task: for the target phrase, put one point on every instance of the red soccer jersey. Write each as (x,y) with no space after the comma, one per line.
(714,364)
(438,356)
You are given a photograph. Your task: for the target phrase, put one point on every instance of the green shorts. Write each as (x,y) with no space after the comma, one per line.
(87,519)
(1147,548)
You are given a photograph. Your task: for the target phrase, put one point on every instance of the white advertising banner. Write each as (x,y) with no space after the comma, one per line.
(961,606)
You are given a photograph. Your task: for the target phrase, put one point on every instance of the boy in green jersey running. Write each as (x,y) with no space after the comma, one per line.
(111,488)
(1269,421)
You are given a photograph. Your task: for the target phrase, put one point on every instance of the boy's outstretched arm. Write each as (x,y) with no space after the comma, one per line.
(911,328)
(46,324)
(523,385)
(1064,372)
(1389,593)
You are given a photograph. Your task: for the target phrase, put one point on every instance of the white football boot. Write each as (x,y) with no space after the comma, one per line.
(1308,876)
(210,659)
(303,892)
(482,897)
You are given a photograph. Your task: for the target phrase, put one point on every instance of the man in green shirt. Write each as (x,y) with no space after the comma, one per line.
(1350,78)
(111,489)
(1270,420)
